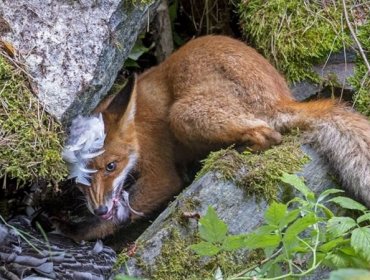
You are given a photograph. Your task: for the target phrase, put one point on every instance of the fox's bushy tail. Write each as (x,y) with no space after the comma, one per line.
(337,133)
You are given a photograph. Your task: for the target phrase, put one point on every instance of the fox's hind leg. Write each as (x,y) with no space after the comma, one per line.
(202,121)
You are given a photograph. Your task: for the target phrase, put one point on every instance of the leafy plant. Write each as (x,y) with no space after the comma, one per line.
(297,237)
(350,274)
(136,52)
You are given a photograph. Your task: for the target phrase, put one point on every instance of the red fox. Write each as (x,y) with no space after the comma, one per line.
(211,93)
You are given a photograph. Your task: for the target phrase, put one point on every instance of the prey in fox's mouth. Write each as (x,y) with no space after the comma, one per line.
(117,206)
(118,209)
(105,182)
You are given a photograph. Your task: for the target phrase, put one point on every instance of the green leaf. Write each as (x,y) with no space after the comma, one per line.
(337,226)
(299,225)
(274,270)
(350,274)
(205,248)
(234,242)
(297,200)
(275,213)
(356,259)
(254,241)
(365,217)
(266,266)
(137,51)
(348,203)
(271,267)
(211,228)
(345,257)
(289,217)
(328,246)
(296,182)
(360,241)
(265,229)
(131,63)
(328,192)
(337,260)
(172,10)
(348,250)
(328,213)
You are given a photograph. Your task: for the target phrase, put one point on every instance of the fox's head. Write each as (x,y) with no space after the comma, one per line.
(102,152)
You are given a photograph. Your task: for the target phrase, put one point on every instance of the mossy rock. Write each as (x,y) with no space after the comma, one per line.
(238,187)
(295,36)
(30,140)
(361,79)
(292,35)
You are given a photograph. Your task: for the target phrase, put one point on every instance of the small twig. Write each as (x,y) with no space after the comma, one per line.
(361,50)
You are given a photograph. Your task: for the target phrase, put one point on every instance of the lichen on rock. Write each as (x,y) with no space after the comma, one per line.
(30,140)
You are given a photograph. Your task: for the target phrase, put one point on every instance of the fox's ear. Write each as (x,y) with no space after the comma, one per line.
(117,107)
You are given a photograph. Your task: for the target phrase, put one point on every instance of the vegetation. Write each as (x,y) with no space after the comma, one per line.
(177,261)
(295,35)
(361,80)
(297,237)
(141,2)
(30,140)
(264,169)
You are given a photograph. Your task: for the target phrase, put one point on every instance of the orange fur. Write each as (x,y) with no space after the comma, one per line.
(211,93)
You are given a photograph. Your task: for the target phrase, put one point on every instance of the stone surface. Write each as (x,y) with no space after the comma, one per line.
(337,69)
(73,49)
(34,257)
(242,213)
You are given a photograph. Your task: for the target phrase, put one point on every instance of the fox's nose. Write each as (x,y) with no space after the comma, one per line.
(101,210)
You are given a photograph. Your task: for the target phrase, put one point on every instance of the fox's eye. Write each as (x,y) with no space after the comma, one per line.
(110,166)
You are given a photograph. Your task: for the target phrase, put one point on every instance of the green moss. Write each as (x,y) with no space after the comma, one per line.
(361,80)
(122,258)
(30,140)
(187,207)
(141,2)
(257,173)
(294,35)
(177,261)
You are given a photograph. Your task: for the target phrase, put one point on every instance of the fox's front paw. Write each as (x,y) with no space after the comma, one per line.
(262,138)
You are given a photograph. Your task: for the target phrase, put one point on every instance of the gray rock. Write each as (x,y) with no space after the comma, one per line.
(242,213)
(338,68)
(31,256)
(72,49)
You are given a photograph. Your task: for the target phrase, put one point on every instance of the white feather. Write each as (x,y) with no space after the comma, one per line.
(86,141)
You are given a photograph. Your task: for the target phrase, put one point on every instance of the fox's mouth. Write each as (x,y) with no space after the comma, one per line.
(109,215)
(121,208)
